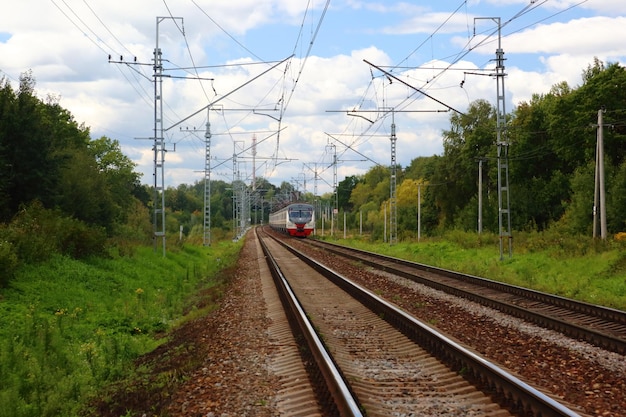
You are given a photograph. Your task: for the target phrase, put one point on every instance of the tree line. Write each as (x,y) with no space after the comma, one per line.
(60,190)
(63,192)
(551,158)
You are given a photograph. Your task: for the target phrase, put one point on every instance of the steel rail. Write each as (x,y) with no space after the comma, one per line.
(338,389)
(515,394)
(596,337)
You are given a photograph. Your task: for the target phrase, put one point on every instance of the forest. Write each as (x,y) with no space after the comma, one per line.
(551,160)
(63,192)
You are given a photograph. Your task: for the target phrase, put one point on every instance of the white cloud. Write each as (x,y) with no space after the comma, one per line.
(579,36)
(66,44)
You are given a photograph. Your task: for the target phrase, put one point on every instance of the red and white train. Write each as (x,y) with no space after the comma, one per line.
(296,219)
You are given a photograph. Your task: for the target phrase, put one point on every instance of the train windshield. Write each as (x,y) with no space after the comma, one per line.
(301,213)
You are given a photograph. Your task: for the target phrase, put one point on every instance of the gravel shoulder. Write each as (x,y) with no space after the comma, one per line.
(212,366)
(574,371)
(218,365)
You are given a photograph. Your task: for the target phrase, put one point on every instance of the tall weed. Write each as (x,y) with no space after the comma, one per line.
(578,267)
(8,260)
(69,327)
(38,233)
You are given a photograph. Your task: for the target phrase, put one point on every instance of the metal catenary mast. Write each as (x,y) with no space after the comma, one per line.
(393,208)
(504,195)
(159,144)
(206,237)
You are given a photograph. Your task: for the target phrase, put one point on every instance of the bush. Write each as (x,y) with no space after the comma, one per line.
(38,233)
(32,233)
(79,241)
(620,237)
(8,261)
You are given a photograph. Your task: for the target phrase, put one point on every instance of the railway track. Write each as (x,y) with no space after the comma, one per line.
(376,360)
(601,326)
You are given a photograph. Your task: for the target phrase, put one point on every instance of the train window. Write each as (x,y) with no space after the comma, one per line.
(301,212)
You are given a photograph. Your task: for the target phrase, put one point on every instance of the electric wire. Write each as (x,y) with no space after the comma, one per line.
(107,28)
(141,91)
(371,86)
(81,29)
(308,52)
(430,37)
(243,47)
(465,50)
(98,40)
(456,58)
(225,31)
(284,101)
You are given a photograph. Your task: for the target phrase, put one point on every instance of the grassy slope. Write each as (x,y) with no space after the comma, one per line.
(69,328)
(571,267)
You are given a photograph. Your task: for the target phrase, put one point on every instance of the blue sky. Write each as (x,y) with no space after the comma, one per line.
(66,44)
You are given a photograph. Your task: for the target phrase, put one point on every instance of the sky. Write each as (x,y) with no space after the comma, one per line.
(316,84)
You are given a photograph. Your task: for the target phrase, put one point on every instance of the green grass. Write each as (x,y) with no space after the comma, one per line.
(69,328)
(573,267)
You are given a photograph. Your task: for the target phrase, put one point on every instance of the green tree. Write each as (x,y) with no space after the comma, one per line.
(344,190)
(421,167)
(28,149)
(471,137)
(554,140)
(407,203)
(184,198)
(83,192)
(37,141)
(8,109)
(98,184)
(616,201)
(118,171)
(373,187)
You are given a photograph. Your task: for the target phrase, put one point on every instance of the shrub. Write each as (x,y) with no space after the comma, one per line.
(621,236)
(8,261)
(32,233)
(38,233)
(78,240)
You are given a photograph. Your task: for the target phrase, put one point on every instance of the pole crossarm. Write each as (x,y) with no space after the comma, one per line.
(228,94)
(353,150)
(413,87)
(354,113)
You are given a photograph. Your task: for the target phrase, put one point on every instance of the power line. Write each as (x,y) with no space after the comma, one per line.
(456,57)
(106,27)
(225,31)
(182,30)
(79,28)
(434,32)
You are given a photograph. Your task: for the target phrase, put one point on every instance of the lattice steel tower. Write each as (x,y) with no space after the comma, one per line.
(206,239)
(504,195)
(393,209)
(158,147)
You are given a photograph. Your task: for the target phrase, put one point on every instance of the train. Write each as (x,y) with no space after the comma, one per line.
(296,219)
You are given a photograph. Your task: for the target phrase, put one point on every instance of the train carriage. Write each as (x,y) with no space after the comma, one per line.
(296,219)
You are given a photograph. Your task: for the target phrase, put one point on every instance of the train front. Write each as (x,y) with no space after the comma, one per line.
(301,220)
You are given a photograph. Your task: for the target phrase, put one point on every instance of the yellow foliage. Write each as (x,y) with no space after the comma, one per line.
(621,236)
(407,192)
